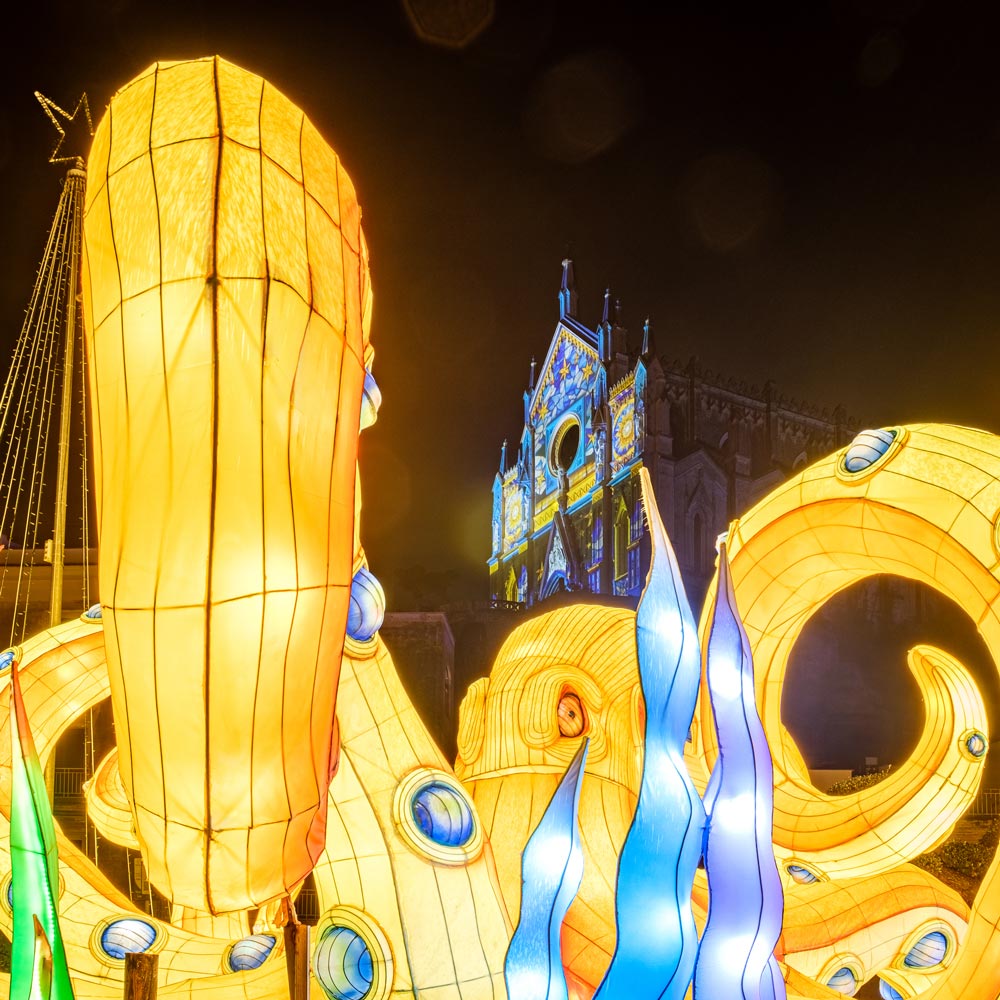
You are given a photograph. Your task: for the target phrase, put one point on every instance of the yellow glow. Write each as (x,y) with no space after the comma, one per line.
(809,539)
(512,754)
(226,301)
(227,308)
(926,511)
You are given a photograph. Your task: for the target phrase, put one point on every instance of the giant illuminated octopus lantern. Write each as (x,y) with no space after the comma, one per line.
(262,732)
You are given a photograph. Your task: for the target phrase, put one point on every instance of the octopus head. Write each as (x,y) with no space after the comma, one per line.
(227,305)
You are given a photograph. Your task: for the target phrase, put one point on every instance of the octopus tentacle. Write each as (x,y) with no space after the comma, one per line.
(927,509)
(817,535)
(907,813)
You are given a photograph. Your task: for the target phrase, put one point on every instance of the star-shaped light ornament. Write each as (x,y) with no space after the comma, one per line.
(75,130)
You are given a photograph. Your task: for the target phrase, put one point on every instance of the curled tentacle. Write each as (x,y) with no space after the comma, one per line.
(926,508)
(906,514)
(907,813)
(870,926)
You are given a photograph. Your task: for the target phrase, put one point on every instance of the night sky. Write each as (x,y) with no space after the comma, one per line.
(811,197)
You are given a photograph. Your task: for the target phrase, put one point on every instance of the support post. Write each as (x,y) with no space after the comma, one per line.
(297,960)
(140,976)
(76,180)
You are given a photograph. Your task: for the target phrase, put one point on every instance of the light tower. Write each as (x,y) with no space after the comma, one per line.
(44,395)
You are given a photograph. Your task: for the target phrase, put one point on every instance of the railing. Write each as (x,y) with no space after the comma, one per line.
(986,805)
(307,905)
(497,605)
(68,782)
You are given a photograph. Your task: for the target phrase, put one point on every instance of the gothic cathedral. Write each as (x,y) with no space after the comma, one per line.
(567,514)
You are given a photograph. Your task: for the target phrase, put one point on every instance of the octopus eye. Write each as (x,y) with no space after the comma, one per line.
(572,721)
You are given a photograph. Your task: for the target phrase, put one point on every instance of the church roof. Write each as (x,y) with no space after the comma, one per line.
(569,372)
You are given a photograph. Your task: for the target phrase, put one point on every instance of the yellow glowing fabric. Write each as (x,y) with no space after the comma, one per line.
(227,305)
(226,300)
(417,913)
(108,806)
(64,674)
(866,924)
(928,510)
(513,738)
(512,752)
(440,913)
(910,812)
(834,534)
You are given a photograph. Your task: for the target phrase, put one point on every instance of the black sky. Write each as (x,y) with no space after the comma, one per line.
(805,195)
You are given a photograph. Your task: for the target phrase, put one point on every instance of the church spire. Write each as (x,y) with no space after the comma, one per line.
(531,380)
(503,457)
(604,329)
(567,290)
(648,345)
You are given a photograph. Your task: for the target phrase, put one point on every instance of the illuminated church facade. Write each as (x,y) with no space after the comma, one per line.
(567,514)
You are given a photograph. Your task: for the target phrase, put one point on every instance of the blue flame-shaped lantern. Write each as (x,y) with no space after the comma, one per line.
(551,871)
(657,939)
(736,957)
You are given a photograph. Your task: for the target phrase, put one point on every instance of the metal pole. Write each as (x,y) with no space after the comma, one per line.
(77,178)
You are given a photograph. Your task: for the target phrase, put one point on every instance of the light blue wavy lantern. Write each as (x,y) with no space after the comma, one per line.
(657,940)
(551,870)
(736,957)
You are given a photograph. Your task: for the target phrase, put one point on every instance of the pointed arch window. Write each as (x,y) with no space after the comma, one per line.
(622,527)
(511,587)
(698,543)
